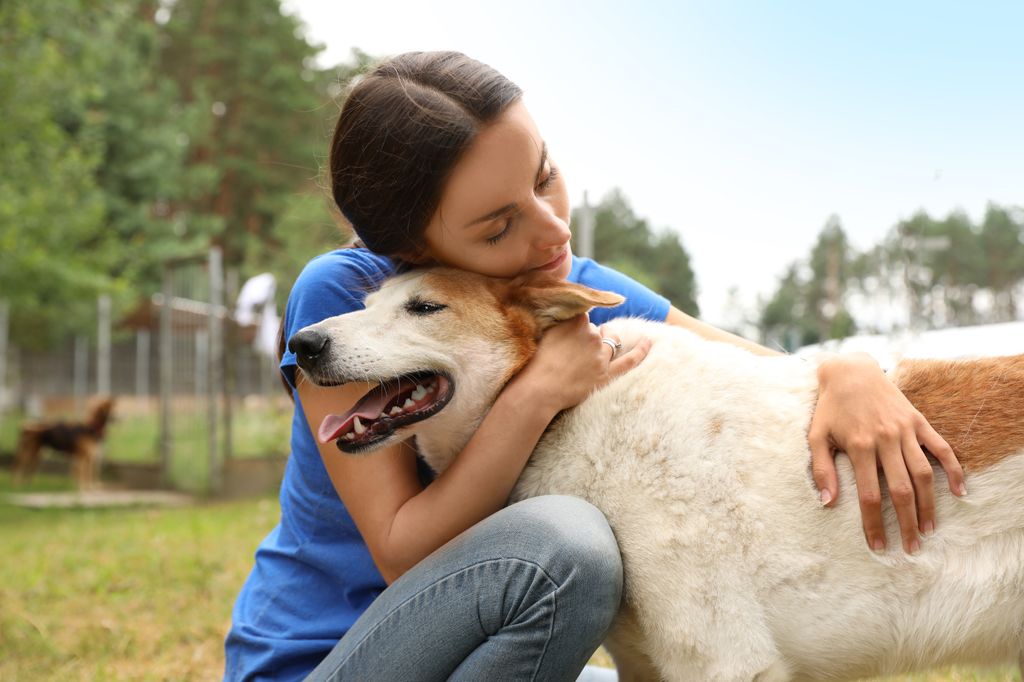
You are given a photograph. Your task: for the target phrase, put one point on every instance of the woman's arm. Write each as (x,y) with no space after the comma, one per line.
(401,521)
(862,413)
(680,319)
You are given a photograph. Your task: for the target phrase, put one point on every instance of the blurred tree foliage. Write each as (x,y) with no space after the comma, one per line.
(136,131)
(940,272)
(810,302)
(53,60)
(624,241)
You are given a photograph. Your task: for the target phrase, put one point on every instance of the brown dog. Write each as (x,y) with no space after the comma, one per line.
(79,440)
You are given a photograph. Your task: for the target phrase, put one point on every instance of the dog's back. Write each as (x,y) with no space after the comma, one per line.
(734,571)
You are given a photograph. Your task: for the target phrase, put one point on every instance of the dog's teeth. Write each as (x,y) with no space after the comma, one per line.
(350,436)
(431,386)
(419,392)
(359,428)
(408,404)
(396,410)
(382,414)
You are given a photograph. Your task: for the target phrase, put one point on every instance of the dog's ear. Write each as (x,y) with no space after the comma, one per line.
(552,302)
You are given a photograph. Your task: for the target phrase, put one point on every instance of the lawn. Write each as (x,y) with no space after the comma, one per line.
(143,594)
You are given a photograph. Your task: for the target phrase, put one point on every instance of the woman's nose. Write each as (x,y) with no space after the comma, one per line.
(550,230)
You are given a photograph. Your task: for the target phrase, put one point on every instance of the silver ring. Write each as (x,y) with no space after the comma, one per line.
(616,346)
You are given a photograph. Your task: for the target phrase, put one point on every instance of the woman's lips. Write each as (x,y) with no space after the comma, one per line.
(555,262)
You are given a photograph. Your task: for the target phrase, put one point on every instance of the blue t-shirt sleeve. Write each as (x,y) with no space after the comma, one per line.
(332,284)
(640,301)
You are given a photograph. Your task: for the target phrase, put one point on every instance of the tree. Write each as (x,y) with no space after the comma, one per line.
(784,321)
(53,243)
(810,303)
(308,222)
(247,68)
(941,269)
(830,264)
(1001,240)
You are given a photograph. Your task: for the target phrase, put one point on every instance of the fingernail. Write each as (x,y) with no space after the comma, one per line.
(928,528)
(878,545)
(962,490)
(915,546)
(826,496)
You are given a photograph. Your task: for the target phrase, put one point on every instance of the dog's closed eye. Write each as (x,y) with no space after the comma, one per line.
(418,306)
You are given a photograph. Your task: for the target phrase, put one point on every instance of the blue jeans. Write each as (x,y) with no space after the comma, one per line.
(526,594)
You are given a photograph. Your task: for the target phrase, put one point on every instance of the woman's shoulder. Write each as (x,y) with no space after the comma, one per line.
(334,283)
(640,300)
(346,267)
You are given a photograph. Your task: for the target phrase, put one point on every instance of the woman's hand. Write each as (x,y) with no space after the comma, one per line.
(571,361)
(863,414)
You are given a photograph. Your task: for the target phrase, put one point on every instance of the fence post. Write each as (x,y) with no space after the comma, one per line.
(230,365)
(103,345)
(215,362)
(81,370)
(165,378)
(586,228)
(142,365)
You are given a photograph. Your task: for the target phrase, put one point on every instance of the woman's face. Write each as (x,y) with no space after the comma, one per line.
(505,209)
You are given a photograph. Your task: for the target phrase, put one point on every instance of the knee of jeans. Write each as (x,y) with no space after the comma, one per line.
(574,543)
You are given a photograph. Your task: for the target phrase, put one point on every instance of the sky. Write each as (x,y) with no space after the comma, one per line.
(743,125)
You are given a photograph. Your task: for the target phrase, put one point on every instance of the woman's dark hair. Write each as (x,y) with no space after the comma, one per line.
(401,130)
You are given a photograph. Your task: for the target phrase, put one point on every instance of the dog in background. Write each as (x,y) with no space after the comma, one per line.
(79,440)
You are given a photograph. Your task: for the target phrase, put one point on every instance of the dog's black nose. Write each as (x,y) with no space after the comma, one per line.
(308,345)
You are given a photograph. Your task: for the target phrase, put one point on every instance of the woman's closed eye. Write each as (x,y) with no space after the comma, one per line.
(504,231)
(541,186)
(546,182)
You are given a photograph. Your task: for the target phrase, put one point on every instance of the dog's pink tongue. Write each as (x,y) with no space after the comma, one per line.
(367,409)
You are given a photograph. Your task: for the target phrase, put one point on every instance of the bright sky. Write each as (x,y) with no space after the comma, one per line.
(744,124)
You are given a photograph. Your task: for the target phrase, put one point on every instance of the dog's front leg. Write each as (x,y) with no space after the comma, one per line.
(718,636)
(87,461)
(27,458)
(625,643)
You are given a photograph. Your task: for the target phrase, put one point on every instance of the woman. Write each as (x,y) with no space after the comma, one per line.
(436,159)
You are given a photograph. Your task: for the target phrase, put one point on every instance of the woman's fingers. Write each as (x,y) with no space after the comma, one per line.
(901,491)
(619,361)
(823,467)
(623,362)
(868,493)
(940,450)
(923,478)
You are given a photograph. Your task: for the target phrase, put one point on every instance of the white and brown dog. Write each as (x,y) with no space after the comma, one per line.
(699,460)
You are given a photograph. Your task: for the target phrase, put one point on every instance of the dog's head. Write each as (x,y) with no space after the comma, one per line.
(100,413)
(439,344)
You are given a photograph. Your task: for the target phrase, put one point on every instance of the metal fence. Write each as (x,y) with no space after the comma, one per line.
(192,391)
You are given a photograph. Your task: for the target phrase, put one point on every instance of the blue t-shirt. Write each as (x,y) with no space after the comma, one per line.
(313,575)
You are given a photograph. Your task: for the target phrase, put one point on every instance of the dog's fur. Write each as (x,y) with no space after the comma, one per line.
(699,460)
(79,440)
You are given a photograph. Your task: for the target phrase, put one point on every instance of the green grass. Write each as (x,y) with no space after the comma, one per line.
(9,431)
(141,594)
(146,594)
